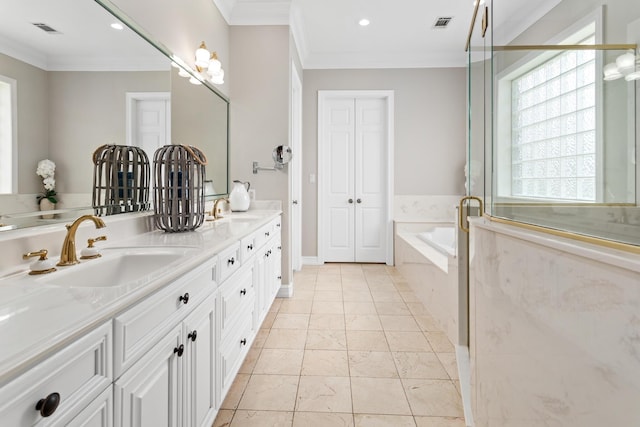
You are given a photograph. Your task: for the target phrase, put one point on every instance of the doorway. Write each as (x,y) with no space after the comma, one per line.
(295,171)
(148,120)
(355,179)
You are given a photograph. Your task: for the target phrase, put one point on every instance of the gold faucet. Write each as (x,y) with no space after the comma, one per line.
(68,253)
(215,212)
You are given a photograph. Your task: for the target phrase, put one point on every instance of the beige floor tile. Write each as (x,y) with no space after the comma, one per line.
(335,295)
(419,365)
(328,279)
(354,283)
(261,337)
(450,364)
(407,341)
(329,285)
(386,296)
(433,398)
(275,306)
(332,363)
(326,340)
(399,323)
(327,321)
(268,320)
(392,308)
(372,364)
(357,295)
(250,360)
(439,342)
(457,384)
(324,394)
(262,419)
(417,309)
(369,420)
(351,307)
(362,322)
(367,341)
(302,295)
(439,422)
(320,419)
(427,323)
(278,361)
(309,285)
(270,393)
(223,419)
(409,296)
(291,321)
(402,286)
(296,306)
(286,338)
(235,392)
(379,396)
(327,307)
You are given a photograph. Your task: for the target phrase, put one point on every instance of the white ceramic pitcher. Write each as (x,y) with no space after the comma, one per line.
(239,196)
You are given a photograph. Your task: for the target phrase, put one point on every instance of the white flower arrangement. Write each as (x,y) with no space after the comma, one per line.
(46,170)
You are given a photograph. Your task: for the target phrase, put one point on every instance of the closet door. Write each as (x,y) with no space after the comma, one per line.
(339,197)
(370,179)
(355,178)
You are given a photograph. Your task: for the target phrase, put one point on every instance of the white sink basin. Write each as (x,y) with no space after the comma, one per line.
(118,267)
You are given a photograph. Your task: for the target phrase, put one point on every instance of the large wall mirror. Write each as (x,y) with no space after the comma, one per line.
(70,82)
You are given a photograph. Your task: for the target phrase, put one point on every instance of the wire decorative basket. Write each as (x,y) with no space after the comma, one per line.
(121,179)
(179,178)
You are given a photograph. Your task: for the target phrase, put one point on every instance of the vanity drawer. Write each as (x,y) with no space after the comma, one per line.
(248,247)
(262,235)
(237,298)
(234,349)
(139,328)
(228,261)
(78,373)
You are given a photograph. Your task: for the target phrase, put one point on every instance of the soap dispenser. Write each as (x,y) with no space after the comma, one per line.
(239,197)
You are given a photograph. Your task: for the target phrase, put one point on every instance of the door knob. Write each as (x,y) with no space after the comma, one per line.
(295,202)
(359,200)
(350,200)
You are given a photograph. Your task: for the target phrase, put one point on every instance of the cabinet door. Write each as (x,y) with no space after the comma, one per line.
(149,394)
(98,413)
(258,285)
(200,366)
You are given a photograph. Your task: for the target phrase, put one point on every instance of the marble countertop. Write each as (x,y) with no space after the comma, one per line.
(37,318)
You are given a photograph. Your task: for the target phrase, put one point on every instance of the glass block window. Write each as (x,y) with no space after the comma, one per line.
(553,128)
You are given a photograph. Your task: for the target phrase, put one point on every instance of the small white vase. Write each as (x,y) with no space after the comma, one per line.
(46,205)
(239,197)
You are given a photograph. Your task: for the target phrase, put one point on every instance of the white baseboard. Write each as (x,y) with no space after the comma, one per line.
(311,260)
(285,291)
(464,373)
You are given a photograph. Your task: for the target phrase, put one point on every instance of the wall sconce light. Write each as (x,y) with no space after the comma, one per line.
(208,64)
(627,65)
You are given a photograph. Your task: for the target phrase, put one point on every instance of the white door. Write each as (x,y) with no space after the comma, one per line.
(296,171)
(354,137)
(149,121)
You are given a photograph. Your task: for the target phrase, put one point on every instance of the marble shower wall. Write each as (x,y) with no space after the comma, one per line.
(555,331)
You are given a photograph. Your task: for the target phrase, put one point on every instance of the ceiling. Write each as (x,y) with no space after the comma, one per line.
(401,33)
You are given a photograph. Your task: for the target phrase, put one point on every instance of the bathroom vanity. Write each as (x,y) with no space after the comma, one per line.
(150,334)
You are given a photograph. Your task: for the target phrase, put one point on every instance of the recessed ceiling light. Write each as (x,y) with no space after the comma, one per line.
(364,22)
(117,26)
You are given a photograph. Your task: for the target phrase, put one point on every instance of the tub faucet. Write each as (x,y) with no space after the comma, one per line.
(68,254)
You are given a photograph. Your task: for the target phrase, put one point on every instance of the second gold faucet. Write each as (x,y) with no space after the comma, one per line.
(68,254)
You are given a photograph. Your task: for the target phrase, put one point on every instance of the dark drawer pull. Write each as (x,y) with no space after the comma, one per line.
(231,261)
(278,225)
(48,405)
(179,350)
(279,277)
(266,234)
(184,298)
(243,341)
(193,335)
(250,247)
(243,292)
(279,248)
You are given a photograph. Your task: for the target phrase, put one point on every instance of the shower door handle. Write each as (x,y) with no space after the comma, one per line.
(461,210)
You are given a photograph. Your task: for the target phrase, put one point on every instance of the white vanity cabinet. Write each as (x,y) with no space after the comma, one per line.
(57,390)
(166,350)
(268,275)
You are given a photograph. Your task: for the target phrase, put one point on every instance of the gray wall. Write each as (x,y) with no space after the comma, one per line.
(259,116)
(430,129)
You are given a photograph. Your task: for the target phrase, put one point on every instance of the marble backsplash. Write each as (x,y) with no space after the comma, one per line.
(555,331)
(419,208)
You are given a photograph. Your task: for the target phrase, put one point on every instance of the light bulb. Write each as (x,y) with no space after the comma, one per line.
(635,75)
(218,78)
(214,66)
(626,62)
(611,72)
(202,56)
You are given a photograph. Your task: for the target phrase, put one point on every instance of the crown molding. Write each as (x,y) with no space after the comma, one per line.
(261,13)
(226,8)
(452,59)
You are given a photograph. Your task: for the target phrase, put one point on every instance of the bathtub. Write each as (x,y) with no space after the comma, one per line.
(426,255)
(441,238)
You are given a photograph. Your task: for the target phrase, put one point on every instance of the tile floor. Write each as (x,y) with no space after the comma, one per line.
(353,347)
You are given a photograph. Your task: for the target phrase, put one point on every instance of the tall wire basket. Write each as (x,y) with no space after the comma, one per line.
(179,177)
(121,178)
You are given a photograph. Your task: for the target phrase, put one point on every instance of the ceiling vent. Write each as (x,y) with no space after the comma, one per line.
(46,28)
(442,22)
